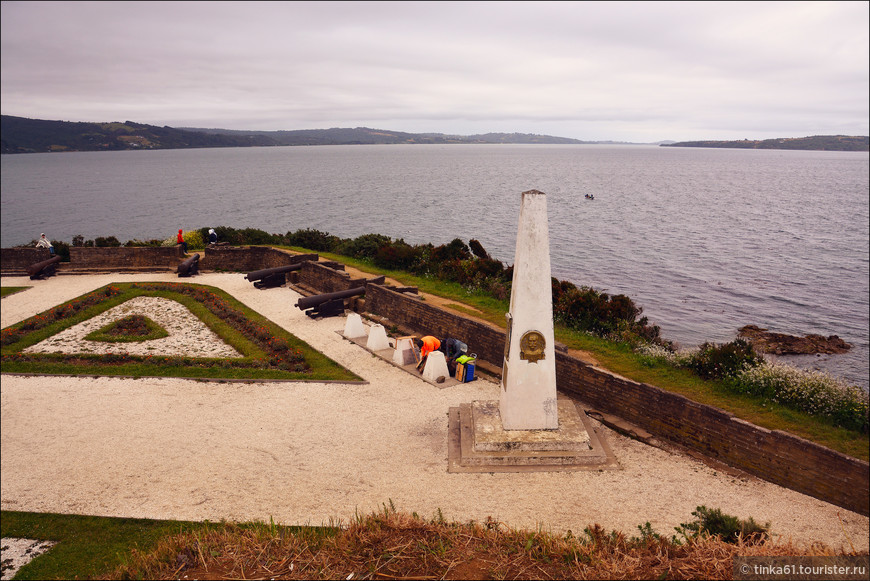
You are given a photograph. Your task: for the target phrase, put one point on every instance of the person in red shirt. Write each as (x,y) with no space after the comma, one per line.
(182,242)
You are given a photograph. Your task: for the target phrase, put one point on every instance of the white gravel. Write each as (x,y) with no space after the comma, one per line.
(187,334)
(315,453)
(16,553)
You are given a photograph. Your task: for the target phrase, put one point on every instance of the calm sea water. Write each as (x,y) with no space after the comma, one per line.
(705,240)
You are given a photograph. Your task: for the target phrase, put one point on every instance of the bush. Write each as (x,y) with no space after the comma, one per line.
(726,360)
(312,240)
(812,392)
(397,255)
(194,240)
(109,242)
(363,247)
(728,528)
(455,250)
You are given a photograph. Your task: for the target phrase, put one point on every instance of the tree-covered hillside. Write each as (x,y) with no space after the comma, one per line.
(815,142)
(22,135)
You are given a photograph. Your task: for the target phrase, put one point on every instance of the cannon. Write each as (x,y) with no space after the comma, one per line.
(42,269)
(190,266)
(329,304)
(271,277)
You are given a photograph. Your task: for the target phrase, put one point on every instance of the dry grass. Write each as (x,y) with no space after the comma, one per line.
(392,545)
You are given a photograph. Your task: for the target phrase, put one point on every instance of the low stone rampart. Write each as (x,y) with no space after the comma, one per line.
(128,257)
(248,258)
(14,261)
(772,455)
(326,277)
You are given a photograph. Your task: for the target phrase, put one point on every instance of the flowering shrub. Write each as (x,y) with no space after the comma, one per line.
(813,392)
(719,361)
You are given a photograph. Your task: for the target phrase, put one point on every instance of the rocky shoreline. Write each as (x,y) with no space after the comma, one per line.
(782,344)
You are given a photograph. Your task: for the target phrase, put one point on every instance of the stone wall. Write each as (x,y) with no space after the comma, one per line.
(14,261)
(221,258)
(247,258)
(326,277)
(125,257)
(772,455)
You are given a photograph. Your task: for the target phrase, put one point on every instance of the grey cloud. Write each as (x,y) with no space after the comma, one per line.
(589,70)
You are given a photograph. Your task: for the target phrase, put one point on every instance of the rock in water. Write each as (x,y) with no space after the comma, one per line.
(782,344)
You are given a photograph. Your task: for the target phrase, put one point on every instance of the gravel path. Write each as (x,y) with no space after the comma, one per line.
(315,453)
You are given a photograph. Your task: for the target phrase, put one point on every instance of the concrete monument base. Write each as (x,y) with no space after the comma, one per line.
(478,443)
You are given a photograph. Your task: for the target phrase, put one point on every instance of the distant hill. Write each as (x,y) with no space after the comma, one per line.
(22,135)
(816,142)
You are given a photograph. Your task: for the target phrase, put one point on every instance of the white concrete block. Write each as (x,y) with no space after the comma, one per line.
(404,354)
(436,366)
(378,340)
(354,327)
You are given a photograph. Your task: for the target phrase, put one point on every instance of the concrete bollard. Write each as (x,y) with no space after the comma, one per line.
(436,366)
(377,339)
(404,354)
(354,328)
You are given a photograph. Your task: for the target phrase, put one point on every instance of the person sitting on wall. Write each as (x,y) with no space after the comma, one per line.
(427,345)
(212,236)
(44,243)
(181,242)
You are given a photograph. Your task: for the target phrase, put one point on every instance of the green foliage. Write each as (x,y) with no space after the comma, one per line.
(729,528)
(61,249)
(477,249)
(363,247)
(108,242)
(586,309)
(398,255)
(312,240)
(726,360)
(194,239)
(813,392)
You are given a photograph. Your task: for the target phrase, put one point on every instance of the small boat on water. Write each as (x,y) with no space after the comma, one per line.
(590,196)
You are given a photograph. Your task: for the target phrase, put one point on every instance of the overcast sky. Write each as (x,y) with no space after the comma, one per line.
(621,71)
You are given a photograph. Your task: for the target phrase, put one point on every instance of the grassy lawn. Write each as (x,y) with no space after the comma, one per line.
(5,291)
(269,352)
(620,359)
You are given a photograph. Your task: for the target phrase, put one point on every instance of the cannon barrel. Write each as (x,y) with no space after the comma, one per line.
(316,300)
(261,274)
(35,270)
(189,266)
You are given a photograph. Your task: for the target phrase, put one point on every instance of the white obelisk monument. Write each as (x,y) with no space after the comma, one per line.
(528,394)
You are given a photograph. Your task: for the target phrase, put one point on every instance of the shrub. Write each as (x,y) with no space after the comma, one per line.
(363,247)
(108,242)
(455,250)
(312,240)
(194,239)
(61,249)
(477,249)
(397,255)
(728,528)
(812,392)
(726,360)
